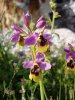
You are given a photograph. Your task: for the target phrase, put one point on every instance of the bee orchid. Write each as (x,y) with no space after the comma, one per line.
(37,66)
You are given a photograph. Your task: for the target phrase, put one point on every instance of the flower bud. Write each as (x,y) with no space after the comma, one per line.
(27,19)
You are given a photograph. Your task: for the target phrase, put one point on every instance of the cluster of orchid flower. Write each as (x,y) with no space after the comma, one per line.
(39,42)
(70,56)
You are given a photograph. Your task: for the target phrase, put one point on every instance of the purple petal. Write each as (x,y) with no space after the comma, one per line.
(41,18)
(70,54)
(44,65)
(16,28)
(68,57)
(47,36)
(15,37)
(31,40)
(40,56)
(29,64)
(36,33)
(66,49)
(40,24)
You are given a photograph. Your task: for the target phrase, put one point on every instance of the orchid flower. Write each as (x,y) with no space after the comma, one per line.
(37,66)
(42,41)
(17,36)
(70,56)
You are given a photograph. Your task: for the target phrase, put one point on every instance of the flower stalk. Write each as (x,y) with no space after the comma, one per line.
(41,89)
(33,52)
(52,24)
(45,93)
(66,86)
(60,90)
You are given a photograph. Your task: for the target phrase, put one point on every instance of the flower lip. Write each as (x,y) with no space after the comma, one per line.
(71,64)
(43,42)
(44,39)
(36,70)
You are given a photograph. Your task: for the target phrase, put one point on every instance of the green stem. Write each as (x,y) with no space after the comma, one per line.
(33,53)
(60,90)
(65,91)
(23,92)
(66,86)
(9,86)
(45,93)
(41,89)
(52,26)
